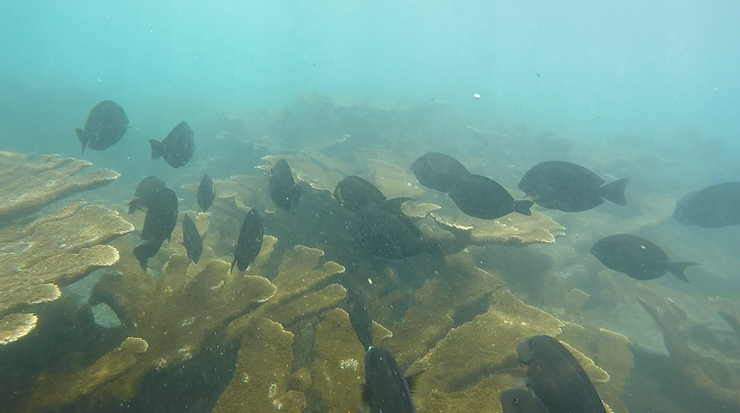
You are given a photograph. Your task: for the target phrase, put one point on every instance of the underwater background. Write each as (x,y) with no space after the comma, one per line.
(644,90)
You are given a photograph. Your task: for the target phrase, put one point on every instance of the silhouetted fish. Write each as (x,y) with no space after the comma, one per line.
(283,190)
(386,390)
(637,257)
(358,308)
(521,401)
(161,217)
(557,378)
(354,193)
(438,171)
(383,230)
(249,243)
(105,125)
(206,193)
(484,198)
(191,238)
(177,148)
(569,187)
(716,206)
(145,193)
(147,250)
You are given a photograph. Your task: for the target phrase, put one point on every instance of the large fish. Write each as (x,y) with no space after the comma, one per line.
(249,243)
(521,401)
(177,148)
(637,257)
(358,308)
(386,389)
(160,220)
(354,193)
(283,190)
(569,187)
(192,239)
(557,378)
(145,193)
(206,193)
(716,206)
(105,125)
(438,171)
(484,198)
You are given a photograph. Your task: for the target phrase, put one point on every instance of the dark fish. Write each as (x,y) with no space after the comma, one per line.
(386,390)
(383,230)
(191,238)
(484,198)
(716,206)
(250,241)
(354,193)
(206,193)
(145,193)
(177,148)
(569,187)
(105,125)
(637,257)
(161,217)
(521,401)
(283,190)
(147,250)
(358,308)
(438,171)
(557,378)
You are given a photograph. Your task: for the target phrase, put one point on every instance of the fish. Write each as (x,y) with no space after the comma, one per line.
(557,378)
(386,389)
(206,193)
(521,401)
(716,206)
(383,230)
(358,308)
(161,217)
(145,193)
(438,171)
(147,250)
(354,193)
(192,239)
(177,148)
(482,197)
(637,257)
(105,125)
(569,187)
(283,190)
(249,243)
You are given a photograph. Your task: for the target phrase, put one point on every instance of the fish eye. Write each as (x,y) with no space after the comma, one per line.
(515,400)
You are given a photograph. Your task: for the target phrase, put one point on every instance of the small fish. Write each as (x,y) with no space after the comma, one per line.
(438,171)
(283,190)
(161,217)
(147,250)
(481,197)
(354,193)
(386,390)
(521,401)
(249,243)
(206,193)
(569,187)
(358,308)
(177,148)
(383,230)
(145,193)
(192,239)
(637,257)
(106,124)
(716,206)
(557,378)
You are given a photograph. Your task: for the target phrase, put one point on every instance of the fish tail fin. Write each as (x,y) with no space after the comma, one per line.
(82,136)
(142,255)
(614,191)
(522,206)
(133,205)
(677,269)
(157,148)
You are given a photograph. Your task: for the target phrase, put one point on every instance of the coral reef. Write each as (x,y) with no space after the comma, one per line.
(52,251)
(29,182)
